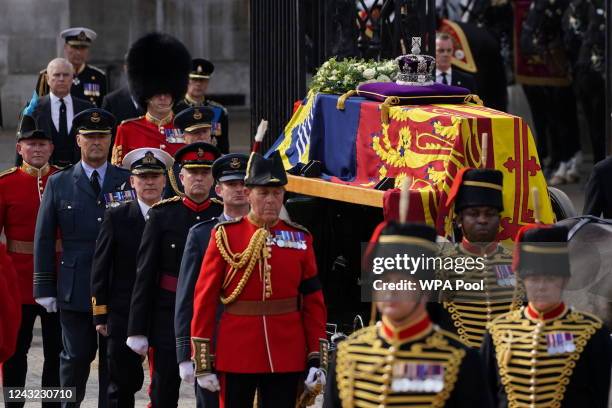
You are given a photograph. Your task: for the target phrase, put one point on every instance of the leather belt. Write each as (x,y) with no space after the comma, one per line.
(26,247)
(168,282)
(262,308)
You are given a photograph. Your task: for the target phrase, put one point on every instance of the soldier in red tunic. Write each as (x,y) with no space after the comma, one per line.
(158,68)
(264,271)
(21,189)
(10,307)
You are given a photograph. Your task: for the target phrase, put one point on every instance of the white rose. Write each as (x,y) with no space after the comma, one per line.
(369,73)
(383,78)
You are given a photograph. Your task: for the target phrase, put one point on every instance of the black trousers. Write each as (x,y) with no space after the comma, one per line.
(165,379)
(590,90)
(125,373)
(205,398)
(80,341)
(16,368)
(278,390)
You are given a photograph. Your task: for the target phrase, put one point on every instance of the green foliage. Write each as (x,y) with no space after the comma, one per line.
(341,76)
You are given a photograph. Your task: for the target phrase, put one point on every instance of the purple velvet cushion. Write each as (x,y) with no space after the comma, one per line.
(411,95)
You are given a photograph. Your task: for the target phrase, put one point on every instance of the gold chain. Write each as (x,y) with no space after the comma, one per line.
(255,251)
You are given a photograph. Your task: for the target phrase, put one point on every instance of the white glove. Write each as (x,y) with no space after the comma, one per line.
(49,303)
(138,344)
(209,382)
(315,375)
(187,372)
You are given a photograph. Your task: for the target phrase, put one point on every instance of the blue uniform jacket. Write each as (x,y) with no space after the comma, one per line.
(71,209)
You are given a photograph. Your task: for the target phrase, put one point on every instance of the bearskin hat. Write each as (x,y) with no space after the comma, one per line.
(158,63)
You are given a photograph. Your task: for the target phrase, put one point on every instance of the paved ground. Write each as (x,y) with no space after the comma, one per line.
(240,123)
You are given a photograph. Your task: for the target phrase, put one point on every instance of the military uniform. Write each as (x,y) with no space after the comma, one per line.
(21,189)
(558,358)
(467,312)
(274,315)
(190,119)
(10,303)
(202,69)
(89,82)
(112,279)
(226,168)
(146,131)
(159,260)
(417,364)
(71,206)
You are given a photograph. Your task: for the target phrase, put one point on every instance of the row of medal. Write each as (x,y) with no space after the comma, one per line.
(417,377)
(91,89)
(560,342)
(288,239)
(505,276)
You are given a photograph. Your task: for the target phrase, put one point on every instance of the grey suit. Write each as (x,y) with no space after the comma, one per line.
(70,206)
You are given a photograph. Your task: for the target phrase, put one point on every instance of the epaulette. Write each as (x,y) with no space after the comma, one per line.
(589,316)
(296,225)
(97,69)
(227,222)
(216,104)
(167,201)
(65,168)
(53,166)
(450,335)
(131,119)
(216,201)
(8,171)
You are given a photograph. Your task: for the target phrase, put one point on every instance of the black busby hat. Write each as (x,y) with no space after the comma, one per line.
(541,250)
(476,188)
(94,121)
(201,68)
(191,119)
(158,64)
(265,172)
(28,129)
(230,167)
(147,160)
(197,155)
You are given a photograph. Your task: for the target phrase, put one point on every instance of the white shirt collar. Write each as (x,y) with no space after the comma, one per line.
(448,72)
(55,99)
(144,208)
(101,171)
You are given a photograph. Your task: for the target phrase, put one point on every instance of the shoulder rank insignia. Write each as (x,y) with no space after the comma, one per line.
(131,119)
(227,222)
(167,201)
(8,171)
(96,69)
(216,201)
(297,226)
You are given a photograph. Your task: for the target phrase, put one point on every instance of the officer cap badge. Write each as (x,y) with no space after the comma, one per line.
(149,158)
(82,36)
(235,163)
(197,115)
(95,117)
(200,152)
(199,69)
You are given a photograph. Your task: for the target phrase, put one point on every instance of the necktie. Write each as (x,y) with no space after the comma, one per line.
(444,80)
(95,182)
(63,121)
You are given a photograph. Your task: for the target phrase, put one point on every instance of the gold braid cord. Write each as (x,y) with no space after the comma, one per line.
(254,252)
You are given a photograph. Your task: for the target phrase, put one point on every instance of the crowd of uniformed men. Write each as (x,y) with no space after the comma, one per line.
(176,251)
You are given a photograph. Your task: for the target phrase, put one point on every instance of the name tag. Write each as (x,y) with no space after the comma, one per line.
(91,89)
(505,276)
(417,377)
(174,136)
(560,342)
(118,197)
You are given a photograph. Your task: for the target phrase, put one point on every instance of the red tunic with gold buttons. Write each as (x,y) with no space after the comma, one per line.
(10,306)
(275,341)
(21,189)
(146,131)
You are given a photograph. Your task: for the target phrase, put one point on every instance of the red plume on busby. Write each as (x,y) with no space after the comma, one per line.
(157,64)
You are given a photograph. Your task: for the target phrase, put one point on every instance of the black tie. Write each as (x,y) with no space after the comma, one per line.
(95,182)
(63,121)
(444,80)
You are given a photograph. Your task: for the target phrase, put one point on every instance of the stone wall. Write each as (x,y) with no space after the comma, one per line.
(213,29)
